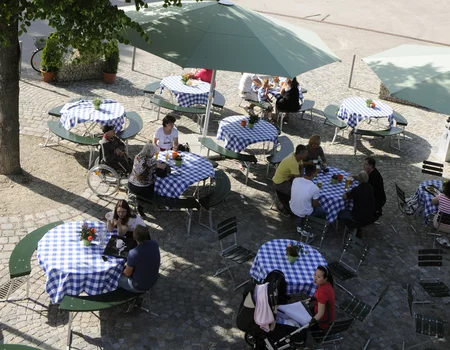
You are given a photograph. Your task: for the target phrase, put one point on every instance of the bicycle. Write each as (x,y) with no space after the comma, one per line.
(39,43)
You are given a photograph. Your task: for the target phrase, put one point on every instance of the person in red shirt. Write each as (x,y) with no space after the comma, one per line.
(202,74)
(324,298)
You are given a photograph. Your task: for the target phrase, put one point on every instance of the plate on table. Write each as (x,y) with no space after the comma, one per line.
(431,189)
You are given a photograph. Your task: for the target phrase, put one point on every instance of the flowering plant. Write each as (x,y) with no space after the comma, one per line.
(253,119)
(295,249)
(87,233)
(370,103)
(185,78)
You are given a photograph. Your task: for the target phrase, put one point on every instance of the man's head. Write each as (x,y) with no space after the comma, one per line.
(362,177)
(369,164)
(310,170)
(301,152)
(108,131)
(141,234)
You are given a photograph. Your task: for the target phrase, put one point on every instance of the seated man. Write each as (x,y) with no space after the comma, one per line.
(363,212)
(112,151)
(305,196)
(142,267)
(289,168)
(376,180)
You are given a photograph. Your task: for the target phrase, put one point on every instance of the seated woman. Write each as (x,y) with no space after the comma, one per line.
(290,99)
(443,202)
(202,74)
(315,151)
(113,151)
(142,178)
(264,99)
(324,298)
(123,218)
(166,137)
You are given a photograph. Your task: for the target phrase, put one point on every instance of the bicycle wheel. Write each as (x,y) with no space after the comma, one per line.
(103,180)
(36,60)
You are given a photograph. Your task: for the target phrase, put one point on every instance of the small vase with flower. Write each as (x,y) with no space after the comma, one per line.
(294,250)
(87,234)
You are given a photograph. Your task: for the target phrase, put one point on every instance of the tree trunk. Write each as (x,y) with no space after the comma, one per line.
(9,102)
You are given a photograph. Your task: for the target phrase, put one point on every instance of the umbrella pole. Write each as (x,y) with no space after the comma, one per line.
(209,105)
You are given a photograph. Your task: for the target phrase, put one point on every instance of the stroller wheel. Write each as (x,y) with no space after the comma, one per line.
(250,339)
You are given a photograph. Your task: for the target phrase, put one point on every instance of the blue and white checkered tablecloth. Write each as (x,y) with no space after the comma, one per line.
(187,95)
(299,275)
(354,110)
(425,197)
(110,112)
(331,194)
(238,137)
(73,268)
(193,169)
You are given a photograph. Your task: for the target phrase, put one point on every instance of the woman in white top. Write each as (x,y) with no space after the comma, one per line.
(123,218)
(166,137)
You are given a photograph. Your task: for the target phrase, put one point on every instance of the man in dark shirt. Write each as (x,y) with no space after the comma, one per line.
(363,212)
(376,180)
(142,267)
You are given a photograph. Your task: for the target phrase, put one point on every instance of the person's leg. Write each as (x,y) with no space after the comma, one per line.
(319,212)
(125,283)
(345,215)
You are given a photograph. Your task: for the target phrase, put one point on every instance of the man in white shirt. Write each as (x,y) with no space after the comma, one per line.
(305,196)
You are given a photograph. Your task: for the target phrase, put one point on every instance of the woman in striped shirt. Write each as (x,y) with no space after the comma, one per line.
(443,202)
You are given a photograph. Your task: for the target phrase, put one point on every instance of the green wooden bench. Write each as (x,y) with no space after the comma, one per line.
(247,159)
(402,122)
(58,129)
(91,303)
(187,203)
(392,132)
(16,347)
(20,261)
(135,125)
(307,105)
(197,111)
(218,193)
(218,100)
(56,111)
(150,89)
(331,118)
(286,148)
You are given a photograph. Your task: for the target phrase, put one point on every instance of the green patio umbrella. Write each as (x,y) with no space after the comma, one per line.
(221,35)
(416,73)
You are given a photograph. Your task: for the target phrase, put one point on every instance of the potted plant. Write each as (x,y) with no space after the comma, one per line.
(178,160)
(112,59)
(87,234)
(252,120)
(51,58)
(97,102)
(293,250)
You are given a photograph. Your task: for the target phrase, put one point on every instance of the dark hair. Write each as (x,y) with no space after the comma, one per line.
(294,82)
(326,274)
(107,128)
(168,119)
(310,170)
(300,149)
(371,161)
(141,233)
(124,205)
(446,189)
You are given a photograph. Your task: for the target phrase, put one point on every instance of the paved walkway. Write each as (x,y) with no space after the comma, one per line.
(196,310)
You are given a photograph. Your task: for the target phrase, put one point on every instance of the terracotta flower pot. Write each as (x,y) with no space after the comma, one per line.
(109,78)
(48,76)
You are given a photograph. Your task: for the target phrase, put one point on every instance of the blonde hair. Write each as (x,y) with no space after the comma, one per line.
(315,139)
(265,82)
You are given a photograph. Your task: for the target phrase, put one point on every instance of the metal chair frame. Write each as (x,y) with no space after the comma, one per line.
(316,226)
(443,219)
(234,253)
(325,337)
(424,325)
(401,203)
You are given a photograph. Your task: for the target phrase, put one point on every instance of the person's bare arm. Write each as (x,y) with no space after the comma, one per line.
(315,203)
(320,312)
(175,143)
(128,271)
(435,200)
(155,140)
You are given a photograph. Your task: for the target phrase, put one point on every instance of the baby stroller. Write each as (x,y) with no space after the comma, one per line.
(281,336)
(104,177)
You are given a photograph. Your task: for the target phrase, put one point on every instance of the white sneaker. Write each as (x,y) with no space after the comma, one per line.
(307,234)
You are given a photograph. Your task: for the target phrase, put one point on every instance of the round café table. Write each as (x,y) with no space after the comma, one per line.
(193,169)
(299,276)
(110,113)
(72,268)
(331,194)
(353,110)
(238,137)
(196,94)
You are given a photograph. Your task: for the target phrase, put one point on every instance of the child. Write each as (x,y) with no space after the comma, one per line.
(264,100)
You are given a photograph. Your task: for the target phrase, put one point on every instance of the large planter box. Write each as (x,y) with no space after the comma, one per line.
(76,72)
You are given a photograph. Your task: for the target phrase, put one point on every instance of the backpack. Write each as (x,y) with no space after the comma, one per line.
(184,147)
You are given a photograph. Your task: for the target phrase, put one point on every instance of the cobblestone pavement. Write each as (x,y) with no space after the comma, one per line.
(196,310)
